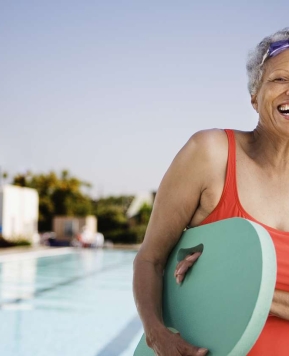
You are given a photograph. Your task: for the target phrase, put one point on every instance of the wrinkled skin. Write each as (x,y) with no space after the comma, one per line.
(192,188)
(170,344)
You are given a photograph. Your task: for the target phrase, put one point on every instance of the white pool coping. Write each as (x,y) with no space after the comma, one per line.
(27,255)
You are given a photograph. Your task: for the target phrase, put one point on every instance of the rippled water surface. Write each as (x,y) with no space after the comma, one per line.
(76,304)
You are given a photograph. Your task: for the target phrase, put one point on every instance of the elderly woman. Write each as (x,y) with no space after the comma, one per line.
(221,174)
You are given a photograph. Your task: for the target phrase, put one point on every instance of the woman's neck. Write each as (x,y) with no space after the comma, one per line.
(270,149)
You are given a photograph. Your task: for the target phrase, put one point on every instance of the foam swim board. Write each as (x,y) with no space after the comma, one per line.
(225,298)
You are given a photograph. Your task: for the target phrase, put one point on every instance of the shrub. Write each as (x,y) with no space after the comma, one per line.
(19,241)
(139,232)
(133,235)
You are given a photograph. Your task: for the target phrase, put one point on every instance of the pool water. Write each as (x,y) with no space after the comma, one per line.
(77,304)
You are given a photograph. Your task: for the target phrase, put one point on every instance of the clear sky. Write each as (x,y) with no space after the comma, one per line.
(111,90)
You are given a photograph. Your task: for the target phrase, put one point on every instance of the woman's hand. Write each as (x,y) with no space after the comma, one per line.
(168,343)
(280,304)
(184,265)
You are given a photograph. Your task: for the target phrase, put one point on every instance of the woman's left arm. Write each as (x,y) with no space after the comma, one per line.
(280,304)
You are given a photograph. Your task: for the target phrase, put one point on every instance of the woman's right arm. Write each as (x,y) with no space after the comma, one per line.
(176,202)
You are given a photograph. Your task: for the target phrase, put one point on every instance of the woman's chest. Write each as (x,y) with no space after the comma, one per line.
(263,195)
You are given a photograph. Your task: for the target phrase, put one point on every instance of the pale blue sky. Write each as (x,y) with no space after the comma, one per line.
(111,90)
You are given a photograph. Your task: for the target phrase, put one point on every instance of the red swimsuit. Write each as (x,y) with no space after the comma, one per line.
(274,339)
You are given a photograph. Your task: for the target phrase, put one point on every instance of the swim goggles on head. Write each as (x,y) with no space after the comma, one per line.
(274,49)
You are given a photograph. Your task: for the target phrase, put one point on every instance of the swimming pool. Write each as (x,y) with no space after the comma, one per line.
(77,304)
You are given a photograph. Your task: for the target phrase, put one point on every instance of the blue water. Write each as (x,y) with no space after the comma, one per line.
(78,304)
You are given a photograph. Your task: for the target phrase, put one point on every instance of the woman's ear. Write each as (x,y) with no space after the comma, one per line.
(254,102)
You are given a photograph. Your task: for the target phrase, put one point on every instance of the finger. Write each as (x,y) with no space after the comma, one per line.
(180,278)
(190,258)
(196,351)
(181,275)
(193,257)
(183,269)
(182,261)
(181,272)
(185,266)
(190,349)
(177,268)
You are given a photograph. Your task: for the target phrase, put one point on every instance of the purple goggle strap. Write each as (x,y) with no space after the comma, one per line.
(274,49)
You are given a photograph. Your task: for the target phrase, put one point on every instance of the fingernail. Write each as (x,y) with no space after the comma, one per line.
(190,258)
(201,351)
(178,280)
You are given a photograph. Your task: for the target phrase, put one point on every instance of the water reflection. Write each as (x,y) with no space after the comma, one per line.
(48,302)
(17,281)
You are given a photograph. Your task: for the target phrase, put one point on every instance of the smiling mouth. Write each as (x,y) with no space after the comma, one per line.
(283,109)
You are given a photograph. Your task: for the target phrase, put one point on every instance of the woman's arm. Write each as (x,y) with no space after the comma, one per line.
(280,304)
(176,202)
(148,291)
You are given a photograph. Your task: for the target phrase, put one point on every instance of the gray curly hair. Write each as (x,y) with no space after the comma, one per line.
(255,58)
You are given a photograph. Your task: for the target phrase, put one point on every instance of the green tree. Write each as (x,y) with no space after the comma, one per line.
(112,219)
(58,195)
(139,226)
(144,214)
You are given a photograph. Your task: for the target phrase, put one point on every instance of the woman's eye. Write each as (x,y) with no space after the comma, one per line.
(280,79)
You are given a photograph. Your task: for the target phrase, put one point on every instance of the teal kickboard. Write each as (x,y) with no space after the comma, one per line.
(225,299)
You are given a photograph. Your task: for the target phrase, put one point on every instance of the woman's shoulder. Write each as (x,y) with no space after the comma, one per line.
(209,143)
(205,154)
(209,135)
(216,140)
(208,149)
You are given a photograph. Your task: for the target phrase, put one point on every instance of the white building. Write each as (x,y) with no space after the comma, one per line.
(69,227)
(139,200)
(19,213)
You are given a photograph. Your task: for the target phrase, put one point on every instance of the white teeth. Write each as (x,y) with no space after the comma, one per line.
(284,107)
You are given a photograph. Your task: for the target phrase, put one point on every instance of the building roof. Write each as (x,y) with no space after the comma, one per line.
(139,200)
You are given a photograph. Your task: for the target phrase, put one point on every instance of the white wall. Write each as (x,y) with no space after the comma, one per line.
(19,212)
(139,200)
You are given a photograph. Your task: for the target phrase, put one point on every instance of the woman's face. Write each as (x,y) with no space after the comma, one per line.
(272,98)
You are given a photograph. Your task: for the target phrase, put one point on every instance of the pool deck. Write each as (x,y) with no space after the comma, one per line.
(13,250)
(41,248)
